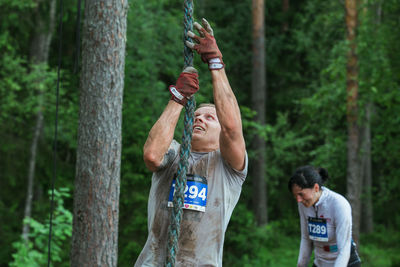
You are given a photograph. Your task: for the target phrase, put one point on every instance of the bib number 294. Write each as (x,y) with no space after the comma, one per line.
(195,193)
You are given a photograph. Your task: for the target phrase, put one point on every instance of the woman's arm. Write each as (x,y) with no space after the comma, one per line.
(306,245)
(343,231)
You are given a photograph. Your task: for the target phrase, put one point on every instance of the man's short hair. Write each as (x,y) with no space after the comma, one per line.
(204,105)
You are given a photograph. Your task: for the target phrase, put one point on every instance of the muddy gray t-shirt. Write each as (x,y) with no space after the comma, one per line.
(202,232)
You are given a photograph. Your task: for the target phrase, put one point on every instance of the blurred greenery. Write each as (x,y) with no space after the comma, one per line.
(306,118)
(33,253)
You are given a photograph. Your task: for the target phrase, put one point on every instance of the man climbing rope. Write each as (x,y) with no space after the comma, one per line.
(217,166)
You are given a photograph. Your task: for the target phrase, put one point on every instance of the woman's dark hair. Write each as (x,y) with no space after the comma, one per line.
(307,177)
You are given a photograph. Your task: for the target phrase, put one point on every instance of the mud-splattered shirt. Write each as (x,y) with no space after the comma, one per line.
(202,233)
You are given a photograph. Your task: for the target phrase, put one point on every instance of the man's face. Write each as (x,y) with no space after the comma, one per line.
(206,127)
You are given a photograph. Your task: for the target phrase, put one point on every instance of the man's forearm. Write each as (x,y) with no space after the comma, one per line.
(161,135)
(232,145)
(225,101)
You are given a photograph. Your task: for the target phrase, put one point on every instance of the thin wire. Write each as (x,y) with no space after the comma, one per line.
(55,134)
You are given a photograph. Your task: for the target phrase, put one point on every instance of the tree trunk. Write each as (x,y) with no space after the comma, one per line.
(285,10)
(259,98)
(367,222)
(39,54)
(354,182)
(31,175)
(367,225)
(97,181)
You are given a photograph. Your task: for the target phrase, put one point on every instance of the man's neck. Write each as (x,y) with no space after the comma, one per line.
(198,147)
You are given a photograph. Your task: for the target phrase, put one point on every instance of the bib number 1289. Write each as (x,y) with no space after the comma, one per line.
(317,229)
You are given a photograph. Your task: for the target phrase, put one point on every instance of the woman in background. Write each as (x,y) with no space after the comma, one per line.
(325,220)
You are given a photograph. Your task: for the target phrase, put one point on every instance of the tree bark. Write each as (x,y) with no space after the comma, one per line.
(354,182)
(259,98)
(285,10)
(97,181)
(367,225)
(39,54)
(367,222)
(31,175)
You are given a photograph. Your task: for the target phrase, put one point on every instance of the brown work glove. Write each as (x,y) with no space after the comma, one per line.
(206,46)
(186,85)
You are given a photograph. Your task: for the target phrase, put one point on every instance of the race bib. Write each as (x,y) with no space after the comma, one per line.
(195,193)
(317,229)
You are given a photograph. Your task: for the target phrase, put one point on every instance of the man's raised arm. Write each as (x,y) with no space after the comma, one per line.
(162,132)
(232,144)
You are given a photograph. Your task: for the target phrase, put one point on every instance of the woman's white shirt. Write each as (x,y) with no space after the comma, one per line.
(336,210)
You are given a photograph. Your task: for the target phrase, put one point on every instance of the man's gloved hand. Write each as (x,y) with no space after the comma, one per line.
(186,85)
(206,45)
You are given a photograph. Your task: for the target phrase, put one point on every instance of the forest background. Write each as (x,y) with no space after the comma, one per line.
(306,53)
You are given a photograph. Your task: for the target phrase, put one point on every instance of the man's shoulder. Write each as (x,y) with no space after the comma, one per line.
(170,156)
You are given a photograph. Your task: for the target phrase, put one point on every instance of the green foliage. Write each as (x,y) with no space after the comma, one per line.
(380,86)
(286,149)
(19,4)
(275,244)
(380,248)
(306,116)
(34,252)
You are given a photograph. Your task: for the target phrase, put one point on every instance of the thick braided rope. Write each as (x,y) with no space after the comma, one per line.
(188,26)
(180,183)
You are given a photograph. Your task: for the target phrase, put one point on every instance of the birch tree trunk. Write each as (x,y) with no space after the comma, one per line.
(97,181)
(39,55)
(354,182)
(259,98)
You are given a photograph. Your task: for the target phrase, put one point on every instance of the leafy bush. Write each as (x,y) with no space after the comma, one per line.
(275,244)
(33,253)
(380,248)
